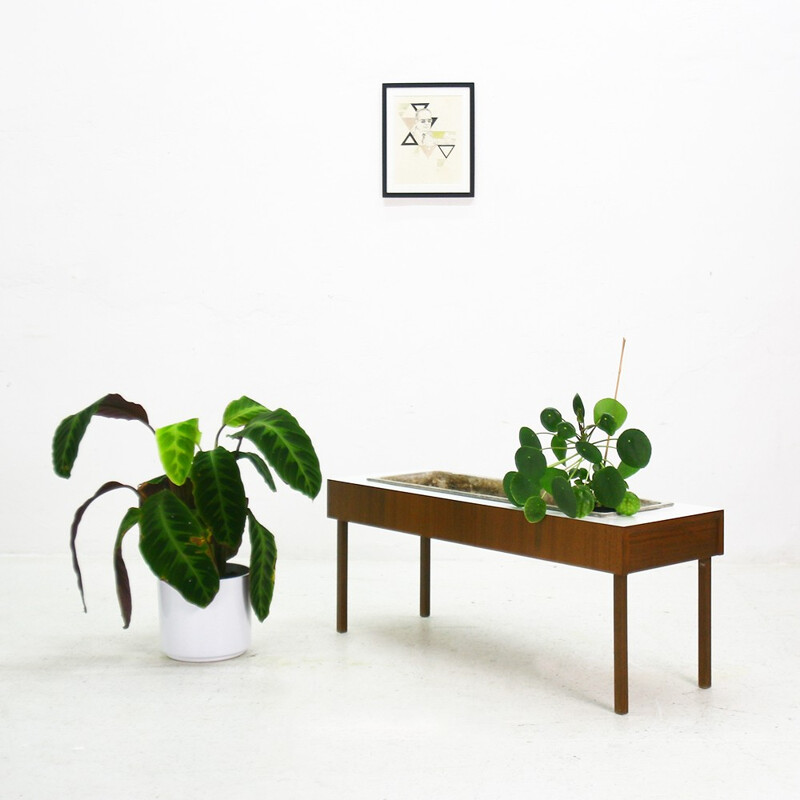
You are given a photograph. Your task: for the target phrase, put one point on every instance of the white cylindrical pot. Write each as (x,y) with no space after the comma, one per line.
(219,631)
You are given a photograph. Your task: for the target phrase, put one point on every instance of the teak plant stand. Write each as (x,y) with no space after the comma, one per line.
(617,545)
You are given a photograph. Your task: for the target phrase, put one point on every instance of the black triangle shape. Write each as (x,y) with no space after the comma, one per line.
(407,142)
(447,154)
(419,106)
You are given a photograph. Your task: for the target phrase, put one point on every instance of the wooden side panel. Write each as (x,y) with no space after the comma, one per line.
(673,541)
(595,546)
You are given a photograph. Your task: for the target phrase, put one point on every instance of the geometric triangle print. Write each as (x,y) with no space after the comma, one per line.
(446,149)
(409,140)
(419,106)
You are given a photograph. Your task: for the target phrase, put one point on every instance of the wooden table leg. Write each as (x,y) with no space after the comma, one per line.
(341,576)
(621,644)
(704,623)
(424,576)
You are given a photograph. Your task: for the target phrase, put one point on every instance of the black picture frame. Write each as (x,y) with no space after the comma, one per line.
(419,158)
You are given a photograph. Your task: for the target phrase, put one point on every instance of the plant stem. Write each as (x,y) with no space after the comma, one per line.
(616,391)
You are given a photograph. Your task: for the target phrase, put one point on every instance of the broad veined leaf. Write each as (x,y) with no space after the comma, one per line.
(176,444)
(287,447)
(550,417)
(71,430)
(527,438)
(219,495)
(130,519)
(261,467)
(241,411)
(609,487)
(176,548)
(530,462)
(564,496)
(263,556)
(115,406)
(634,448)
(629,506)
(76,521)
(614,409)
(588,451)
(535,509)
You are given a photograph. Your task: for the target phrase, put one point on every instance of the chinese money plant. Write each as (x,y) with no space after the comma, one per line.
(574,471)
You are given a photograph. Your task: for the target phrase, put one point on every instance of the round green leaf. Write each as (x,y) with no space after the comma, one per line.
(634,448)
(535,509)
(588,451)
(565,497)
(530,462)
(626,470)
(629,506)
(527,438)
(578,474)
(549,475)
(577,407)
(586,501)
(609,487)
(507,478)
(550,418)
(614,409)
(522,487)
(559,446)
(566,430)
(608,424)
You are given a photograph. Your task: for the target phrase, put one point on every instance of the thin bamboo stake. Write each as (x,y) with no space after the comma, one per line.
(616,391)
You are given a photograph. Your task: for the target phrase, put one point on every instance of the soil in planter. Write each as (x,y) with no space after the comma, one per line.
(453,482)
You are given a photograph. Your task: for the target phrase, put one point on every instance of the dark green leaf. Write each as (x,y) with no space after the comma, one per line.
(130,519)
(507,478)
(550,418)
(241,411)
(263,556)
(585,500)
(630,505)
(535,509)
(614,409)
(70,431)
(177,549)
(287,447)
(527,438)
(522,487)
(578,474)
(559,446)
(634,448)
(608,424)
(588,451)
(609,487)
(549,475)
(219,495)
(67,439)
(530,462)
(566,430)
(259,464)
(176,445)
(76,521)
(577,407)
(564,496)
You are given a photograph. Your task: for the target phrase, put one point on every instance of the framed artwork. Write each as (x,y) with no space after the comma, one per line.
(428,139)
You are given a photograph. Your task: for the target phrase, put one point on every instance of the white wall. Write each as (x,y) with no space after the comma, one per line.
(190,210)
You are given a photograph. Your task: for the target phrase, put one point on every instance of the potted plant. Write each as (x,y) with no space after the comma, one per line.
(192,517)
(581,476)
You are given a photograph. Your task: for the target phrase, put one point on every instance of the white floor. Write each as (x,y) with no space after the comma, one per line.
(504,692)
